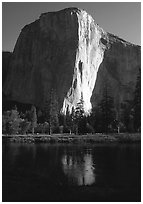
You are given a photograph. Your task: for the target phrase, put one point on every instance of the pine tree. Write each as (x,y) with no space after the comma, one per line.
(79,117)
(25,126)
(79,111)
(47,111)
(95,119)
(107,109)
(33,118)
(137,102)
(54,121)
(126,115)
(69,120)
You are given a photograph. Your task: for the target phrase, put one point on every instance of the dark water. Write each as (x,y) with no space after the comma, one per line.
(44,172)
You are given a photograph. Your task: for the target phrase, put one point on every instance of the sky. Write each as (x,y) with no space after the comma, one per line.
(119,18)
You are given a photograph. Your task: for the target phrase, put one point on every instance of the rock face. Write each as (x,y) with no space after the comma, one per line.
(6,57)
(119,68)
(66,51)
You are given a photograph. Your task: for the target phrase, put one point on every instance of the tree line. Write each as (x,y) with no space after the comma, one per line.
(104,118)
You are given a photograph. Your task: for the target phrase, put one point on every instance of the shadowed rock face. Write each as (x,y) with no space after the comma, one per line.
(6,57)
(66,51)
(119,69)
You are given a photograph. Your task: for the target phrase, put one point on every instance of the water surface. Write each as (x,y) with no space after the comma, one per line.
(56,172)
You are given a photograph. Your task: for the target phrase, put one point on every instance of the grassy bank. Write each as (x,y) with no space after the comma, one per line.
(67,138)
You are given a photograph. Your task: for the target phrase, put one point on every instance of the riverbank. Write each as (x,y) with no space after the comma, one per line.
(71,138)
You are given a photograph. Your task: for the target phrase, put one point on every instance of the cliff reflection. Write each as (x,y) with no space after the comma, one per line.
(79,170)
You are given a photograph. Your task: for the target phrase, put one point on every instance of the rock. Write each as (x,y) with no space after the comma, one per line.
(119,68)
(6,57)
(66,51)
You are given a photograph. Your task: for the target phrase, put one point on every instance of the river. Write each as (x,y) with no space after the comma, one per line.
(58,172)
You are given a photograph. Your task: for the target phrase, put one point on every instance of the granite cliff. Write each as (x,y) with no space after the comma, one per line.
(66,51)
(6,57)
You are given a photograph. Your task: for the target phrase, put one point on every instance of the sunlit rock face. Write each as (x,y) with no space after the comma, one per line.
(66,51)
(89,55)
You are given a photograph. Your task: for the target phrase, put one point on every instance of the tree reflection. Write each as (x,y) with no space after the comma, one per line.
(79,169)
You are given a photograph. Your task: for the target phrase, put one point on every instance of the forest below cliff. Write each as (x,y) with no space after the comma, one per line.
(105,118)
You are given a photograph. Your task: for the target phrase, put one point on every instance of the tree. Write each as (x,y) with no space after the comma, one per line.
(127,115)
(95,119)
(69,120)
(47,110)
(33,118)
(25,126)
(131,110)
(54,121)
(137,102)
(5,122)
(41,115)
(11,122)
(62,119)
(46,127)
(79,117)
(107,109)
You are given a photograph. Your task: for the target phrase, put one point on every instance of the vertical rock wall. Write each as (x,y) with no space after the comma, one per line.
(66,51)
(89,55)
(119,69)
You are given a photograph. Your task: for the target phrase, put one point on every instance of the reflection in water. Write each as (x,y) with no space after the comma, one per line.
(44,172)
(80,171)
